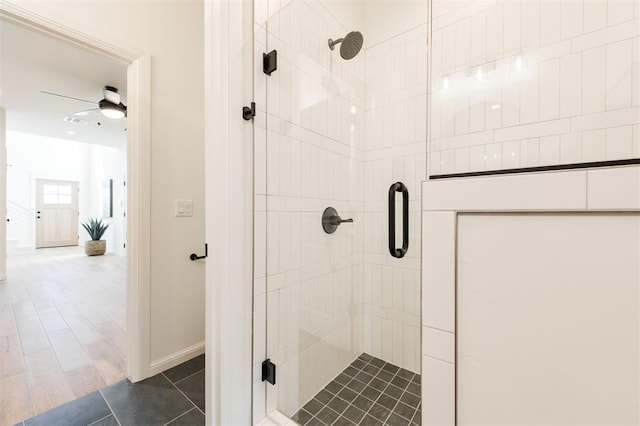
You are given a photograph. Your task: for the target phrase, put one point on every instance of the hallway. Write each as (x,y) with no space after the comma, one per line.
(62,329)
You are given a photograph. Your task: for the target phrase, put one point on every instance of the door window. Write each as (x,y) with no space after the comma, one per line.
(57,194)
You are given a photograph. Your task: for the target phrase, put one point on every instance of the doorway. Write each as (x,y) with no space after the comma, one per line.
(135,287)
(56,213)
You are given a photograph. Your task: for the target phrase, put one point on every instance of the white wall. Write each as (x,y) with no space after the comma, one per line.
(172,33)
(533,83)
(109,163)
(32,157)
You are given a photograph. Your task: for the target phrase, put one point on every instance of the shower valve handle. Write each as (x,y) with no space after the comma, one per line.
(337,220)
(331,220)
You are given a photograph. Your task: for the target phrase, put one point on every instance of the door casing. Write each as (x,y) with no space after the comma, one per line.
(139,172)
(3,197)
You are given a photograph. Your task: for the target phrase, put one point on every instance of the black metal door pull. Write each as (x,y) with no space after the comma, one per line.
(398,187)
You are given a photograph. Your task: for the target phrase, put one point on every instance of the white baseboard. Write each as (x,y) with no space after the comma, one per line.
(276,418)
(176,358)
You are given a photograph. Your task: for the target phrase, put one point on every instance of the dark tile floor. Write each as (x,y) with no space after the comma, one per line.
(175,397)
(368,392)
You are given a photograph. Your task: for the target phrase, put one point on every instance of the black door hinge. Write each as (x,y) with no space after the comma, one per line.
(269,372)
(270,62)
(249,112)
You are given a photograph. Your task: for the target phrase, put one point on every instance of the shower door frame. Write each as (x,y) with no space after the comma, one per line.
(229,206)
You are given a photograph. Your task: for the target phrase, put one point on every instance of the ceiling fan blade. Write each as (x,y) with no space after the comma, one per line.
(68,97)
(87,112)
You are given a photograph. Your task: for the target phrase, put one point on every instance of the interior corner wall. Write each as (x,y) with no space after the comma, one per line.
(172,33)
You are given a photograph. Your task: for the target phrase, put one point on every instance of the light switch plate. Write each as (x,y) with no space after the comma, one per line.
(184,208)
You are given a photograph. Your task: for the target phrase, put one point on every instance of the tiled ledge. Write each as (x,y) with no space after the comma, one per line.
(610,189)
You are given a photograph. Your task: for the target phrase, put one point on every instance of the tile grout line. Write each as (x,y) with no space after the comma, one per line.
(381,391)
(179,415)
(392,410)
(349,404)
(110,409)
(183,394)
(102,418)
(55,305)
(184,378)
(399,401)
(388,383)
(359,393)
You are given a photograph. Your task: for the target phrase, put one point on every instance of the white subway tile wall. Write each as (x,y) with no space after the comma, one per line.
(558,78)
(395,150)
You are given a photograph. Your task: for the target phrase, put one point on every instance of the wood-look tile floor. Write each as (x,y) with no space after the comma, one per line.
(62,329)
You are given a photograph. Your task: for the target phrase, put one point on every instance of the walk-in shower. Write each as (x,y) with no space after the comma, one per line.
(338,312)
(509,86)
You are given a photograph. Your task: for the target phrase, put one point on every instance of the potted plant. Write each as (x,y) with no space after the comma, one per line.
(95,228)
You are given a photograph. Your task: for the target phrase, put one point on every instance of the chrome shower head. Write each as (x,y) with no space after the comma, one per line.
(351,44)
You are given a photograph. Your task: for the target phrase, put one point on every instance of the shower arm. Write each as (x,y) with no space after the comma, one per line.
(332,43)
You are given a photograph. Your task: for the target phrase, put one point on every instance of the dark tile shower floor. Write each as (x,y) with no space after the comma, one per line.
(368,392)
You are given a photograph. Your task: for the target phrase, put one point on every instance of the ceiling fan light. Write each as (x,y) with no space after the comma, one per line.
(111,110)
(112,113)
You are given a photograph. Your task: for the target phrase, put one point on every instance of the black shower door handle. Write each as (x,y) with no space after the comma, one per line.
(398,187)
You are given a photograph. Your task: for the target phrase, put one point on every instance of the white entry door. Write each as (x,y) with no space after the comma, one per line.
(56,213)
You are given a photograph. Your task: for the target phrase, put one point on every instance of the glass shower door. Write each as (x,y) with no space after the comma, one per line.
(336,315)
(312,135)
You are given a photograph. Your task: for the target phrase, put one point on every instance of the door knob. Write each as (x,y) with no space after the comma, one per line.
(8,220)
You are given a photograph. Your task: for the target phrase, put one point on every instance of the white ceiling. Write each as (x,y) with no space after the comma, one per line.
(31,62)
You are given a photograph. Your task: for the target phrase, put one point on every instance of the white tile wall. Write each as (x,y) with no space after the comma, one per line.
(397,152)
(556,77)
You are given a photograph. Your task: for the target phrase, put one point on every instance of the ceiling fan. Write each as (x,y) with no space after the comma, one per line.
(110,106)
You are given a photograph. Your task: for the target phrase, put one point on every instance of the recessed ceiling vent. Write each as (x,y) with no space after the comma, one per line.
(78,121)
